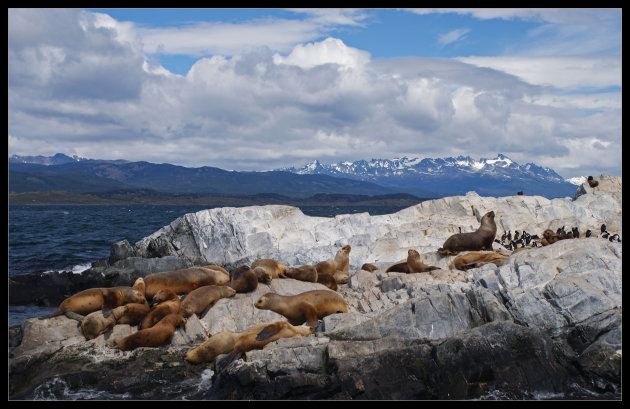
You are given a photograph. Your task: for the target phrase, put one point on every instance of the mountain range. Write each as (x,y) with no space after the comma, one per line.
(439,177)
(426,178)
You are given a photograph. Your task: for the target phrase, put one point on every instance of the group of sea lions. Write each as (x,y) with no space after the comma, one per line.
(100,309)
(203,286)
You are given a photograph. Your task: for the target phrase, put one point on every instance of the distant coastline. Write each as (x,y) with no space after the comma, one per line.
(147,196)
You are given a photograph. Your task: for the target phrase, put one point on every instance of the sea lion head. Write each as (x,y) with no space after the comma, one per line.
(264,276)
(163,295)
(263,302)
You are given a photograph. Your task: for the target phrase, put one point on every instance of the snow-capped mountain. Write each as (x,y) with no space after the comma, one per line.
(57,159)
(500,176)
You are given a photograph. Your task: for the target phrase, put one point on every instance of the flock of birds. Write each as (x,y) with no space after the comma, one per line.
(524,239)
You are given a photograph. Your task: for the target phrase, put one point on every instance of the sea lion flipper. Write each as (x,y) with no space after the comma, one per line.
(225,362)
(269,331)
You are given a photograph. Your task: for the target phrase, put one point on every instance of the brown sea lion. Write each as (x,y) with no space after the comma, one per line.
(243,280)
(302,273)
(369,267)
(158,335)
(261,335)
(327,280)
(549,237)
(92,299)
(474,260)
(337,267)
(95,323)
(185,280)
(197,301)
(165,302)
(267,269)
(412,265)
(308,307)
(481,239)
(135,313)
(217,344)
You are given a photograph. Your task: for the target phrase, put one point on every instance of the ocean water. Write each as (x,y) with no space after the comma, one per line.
(44,238)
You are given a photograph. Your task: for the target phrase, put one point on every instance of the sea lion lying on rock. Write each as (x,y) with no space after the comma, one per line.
(158,335)
(412,265)
(93,299)
(185,280)
(165,302)
(474,260)
(199,300)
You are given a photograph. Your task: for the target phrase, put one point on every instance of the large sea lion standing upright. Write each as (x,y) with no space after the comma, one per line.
(481,239)
(338,267)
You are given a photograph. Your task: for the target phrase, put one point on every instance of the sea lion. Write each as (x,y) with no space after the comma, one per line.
(165,302)
(337,267)
(549,237)
(135,313)
(92,299)
(197,301)
(412,265)
(327,280)
(259,336)
(369,267)
(302,273)
(95,323)
(217,344)
(243,280)
(308,307)
(473,260)
(481,239)
(185,280)
(158,335)
(267,269)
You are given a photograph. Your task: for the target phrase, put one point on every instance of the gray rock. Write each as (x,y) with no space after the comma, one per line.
(545,323)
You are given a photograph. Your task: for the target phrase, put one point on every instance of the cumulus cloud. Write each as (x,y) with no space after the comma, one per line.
(80,83)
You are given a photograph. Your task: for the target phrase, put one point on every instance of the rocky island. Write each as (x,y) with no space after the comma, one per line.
(544,324)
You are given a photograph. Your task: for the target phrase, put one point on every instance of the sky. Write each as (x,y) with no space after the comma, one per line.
(262,89)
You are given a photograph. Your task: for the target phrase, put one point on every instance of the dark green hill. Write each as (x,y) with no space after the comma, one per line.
(169,178)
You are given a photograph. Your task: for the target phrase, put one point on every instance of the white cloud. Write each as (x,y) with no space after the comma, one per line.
(81,84)
(568,73)
(453,36)
(331,50)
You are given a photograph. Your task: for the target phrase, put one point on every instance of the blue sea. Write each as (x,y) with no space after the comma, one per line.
(45,238)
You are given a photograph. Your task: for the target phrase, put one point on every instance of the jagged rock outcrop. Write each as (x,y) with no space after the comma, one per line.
(545,324)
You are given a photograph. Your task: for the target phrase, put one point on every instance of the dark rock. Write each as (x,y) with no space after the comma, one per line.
(120,250)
